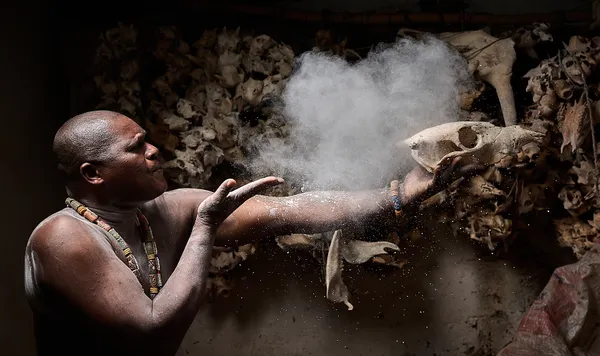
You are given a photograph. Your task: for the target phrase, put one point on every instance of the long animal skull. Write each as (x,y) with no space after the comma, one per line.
(475,142)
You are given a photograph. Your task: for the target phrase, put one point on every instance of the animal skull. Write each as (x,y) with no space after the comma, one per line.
(196,136)
(260,44)
(226,128)
(227,40)
(131,88)
(205,59)
(187,109)
(229,58)
(251,91)
(161,84)
(192,167)
(257,64)
(288,52)
(283,68)
(281,52)
(217,99)
(573,200)
(273,85)
(230,76)
(526,38)
(578,66)
(175,123)
(475,142)
(196,94)
(578,44)
(576,234)
(541,30)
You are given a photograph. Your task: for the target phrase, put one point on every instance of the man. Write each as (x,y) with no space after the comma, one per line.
(121,270)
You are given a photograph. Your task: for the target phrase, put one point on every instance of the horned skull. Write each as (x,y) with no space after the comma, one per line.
(228,40)
(475,142)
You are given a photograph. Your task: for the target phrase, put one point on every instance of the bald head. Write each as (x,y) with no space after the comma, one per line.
(84,138)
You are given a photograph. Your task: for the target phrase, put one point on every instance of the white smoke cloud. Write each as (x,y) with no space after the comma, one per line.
(345,119)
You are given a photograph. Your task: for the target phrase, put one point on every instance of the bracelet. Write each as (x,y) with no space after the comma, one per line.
(394,190)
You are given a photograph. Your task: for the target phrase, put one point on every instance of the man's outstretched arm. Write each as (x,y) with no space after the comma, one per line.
(265,216)
(313,212)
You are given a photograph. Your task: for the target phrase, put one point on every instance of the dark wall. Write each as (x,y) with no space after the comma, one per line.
(32,101)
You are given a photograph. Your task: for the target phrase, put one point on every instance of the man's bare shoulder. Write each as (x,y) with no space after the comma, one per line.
(59,242)
(62,232)
(61,220)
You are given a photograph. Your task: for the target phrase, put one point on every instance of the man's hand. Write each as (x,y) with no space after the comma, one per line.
(219,205)
(420,184)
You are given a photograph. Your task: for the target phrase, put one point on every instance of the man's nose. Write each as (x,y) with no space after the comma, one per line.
(152,153)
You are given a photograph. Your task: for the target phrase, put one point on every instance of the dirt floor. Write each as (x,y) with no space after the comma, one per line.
(452,299)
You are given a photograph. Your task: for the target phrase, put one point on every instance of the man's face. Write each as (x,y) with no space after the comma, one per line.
(134,174)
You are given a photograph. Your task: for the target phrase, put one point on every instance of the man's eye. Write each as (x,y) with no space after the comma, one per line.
(137,146)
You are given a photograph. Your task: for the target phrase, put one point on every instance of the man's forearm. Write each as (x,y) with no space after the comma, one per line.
(175,307)
(325,211)
(312,212)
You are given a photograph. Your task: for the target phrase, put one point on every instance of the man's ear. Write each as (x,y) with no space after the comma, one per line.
(90,173)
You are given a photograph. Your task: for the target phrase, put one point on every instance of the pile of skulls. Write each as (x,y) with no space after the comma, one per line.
(566,93)
(195,114)
(486,204)
(490,206)
(546,163)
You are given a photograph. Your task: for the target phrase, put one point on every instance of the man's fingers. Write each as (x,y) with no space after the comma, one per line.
(221,193)
(249,190)
(447,164)
(454,164)
(471,169)
(450,170)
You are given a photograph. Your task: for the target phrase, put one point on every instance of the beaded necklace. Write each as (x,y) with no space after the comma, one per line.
(149,244)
